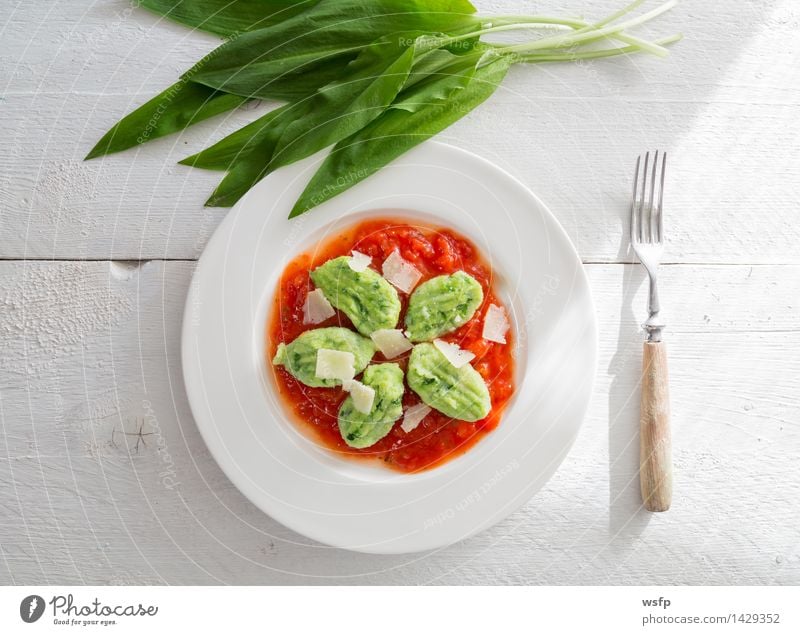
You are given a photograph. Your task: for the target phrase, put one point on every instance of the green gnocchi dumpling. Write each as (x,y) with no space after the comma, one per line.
(361,430)
(300,357)
(365,297)
(459,393)
(441,305)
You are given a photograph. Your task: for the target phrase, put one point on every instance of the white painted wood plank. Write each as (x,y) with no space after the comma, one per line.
(90,350)
(98,47)
(724,104)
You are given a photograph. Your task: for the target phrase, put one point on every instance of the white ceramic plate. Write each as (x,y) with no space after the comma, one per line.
(352,504)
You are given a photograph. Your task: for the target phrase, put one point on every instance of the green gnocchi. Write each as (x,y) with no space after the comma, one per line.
(300,356)
(459,393)
(441,305)
(361,430)
(365,296)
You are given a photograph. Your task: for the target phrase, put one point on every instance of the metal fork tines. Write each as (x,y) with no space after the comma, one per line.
(647,229)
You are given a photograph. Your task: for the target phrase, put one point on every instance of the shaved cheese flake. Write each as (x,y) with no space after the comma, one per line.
(332,364)
(316,308)
(358,261)
(391,342)
(455,355)
(495,324)
(363,396)
(401,273)
(413,416)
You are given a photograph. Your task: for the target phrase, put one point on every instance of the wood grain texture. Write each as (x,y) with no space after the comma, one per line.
(655,440)
(103,475)
(90,358)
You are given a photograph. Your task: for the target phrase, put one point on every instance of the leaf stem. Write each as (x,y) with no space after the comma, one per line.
(543,20)
(554,56)
(645,45)
(583,32)
(589,34)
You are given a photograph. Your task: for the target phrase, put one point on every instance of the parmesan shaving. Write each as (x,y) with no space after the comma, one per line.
(454,354)
(358,261)
(391,342)
(401,273)
(316,308)
(413,416)
(495,324)
(363,396)
(332,364)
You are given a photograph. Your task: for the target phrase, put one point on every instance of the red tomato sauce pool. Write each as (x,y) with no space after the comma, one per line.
(434,252)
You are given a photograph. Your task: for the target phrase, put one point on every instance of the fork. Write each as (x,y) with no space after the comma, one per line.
(647,239)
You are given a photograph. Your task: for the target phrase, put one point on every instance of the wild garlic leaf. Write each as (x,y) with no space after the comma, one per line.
(333,113)
(263,63)
(296,83)
(252,164)
(179,106)
(228,17)
(343,107)
(432,63)
(185,103)
(415,117)
(436,77)
(223,154)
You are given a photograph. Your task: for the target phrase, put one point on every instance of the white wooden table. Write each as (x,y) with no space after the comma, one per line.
(97,258)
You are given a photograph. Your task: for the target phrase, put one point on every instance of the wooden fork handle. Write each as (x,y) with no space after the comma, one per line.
(655,456)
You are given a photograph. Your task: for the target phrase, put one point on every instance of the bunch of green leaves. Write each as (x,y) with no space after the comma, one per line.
(372,79)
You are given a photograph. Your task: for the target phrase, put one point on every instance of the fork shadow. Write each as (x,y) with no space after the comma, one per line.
(627,516)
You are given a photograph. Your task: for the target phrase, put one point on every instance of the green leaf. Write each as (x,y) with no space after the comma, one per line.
(434,63)
(345,106)
(426,109)
(228,17)
(185,103)
(298,84)
(223,154)
(436,77)
(264,62)
(179,106)
(252,160)
(333,113)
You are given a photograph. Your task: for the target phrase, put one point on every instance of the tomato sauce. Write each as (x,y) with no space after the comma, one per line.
(434,252)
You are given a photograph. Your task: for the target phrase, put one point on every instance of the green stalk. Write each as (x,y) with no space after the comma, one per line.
(639,43)
(547,56)
(583,32)
(591,34)
(622,12)
(503,20)
(582,26)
